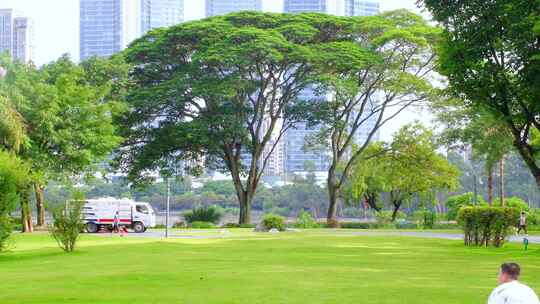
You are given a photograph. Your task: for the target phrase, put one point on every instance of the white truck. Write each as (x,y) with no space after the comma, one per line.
(99,213)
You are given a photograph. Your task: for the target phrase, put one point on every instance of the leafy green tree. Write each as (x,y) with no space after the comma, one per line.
(223,90)
(410,168)
(383,70)
(490,56)
(455,202)
(68,110)
(14,176)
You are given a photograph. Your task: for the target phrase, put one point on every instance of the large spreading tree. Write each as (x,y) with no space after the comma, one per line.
(222,91)
(491,56)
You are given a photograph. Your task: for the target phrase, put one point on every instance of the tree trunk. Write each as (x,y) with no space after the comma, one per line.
(40,204)
(332,205)
(396,204)
(501,182)
(26,212)
(371,200)
(245,210)
(490,186)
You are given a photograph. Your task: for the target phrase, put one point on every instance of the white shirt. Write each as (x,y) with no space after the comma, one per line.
(513,293)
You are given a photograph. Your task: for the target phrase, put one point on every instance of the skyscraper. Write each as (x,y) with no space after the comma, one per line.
(16,35)
(222,7)
(108,26)
(361,8)
(161,13)
(333,7)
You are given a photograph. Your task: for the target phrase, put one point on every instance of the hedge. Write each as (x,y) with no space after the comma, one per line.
(487,226)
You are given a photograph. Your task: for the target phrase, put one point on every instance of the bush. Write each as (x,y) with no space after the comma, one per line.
(273,221)
(456,202)
(446,226)
(202,225)
(533,217)
(425,218)
(236,225)
(179,224)
(6,227)
(512,202)
(358,225)
(385,217)
(406,225)
(306,221)
(485,226)
(67,225)
(203,214)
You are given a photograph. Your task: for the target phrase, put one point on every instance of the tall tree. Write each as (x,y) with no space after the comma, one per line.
(68,117)
(384,69)
(223,90)
(490,54)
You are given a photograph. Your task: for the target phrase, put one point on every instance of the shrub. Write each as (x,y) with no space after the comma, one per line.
(306,221)
(236,225)
(425,218)
(406,225)
(456,202)
(271,221)
(446,226)
(6,227)
(333,223)
(358,225)
(385,217)
(202,225)
(512,202)
(179,224)
(67,225)
(203,214)
(485,226)
(533,217)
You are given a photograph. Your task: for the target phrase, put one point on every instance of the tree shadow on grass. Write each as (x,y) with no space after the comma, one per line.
(23,257)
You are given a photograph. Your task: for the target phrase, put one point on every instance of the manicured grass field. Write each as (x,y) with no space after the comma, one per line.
(317,266)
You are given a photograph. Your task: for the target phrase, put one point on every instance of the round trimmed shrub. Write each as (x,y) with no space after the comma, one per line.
(273,221)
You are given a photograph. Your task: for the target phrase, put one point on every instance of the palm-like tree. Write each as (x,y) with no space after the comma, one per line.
(12,127)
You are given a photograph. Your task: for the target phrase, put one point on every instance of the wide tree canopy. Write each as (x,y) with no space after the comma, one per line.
(491,56)
(222,92)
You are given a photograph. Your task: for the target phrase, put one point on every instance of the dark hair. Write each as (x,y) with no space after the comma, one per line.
(511,269)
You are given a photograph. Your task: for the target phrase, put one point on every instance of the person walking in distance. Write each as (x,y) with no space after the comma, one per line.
(510,290)
(116,222)
(522,222)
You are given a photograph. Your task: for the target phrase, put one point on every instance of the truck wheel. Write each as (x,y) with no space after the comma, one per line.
(138,227)
(92,227)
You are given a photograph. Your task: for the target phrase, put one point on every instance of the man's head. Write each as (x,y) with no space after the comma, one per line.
(509,272)
(522,212)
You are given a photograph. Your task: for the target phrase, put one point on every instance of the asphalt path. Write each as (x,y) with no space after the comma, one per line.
(224,233)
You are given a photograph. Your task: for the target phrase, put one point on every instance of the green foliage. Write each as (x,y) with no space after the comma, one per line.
(12,127)
(487,226)
(273,221)
(512,202)
(236,225)
(533,217)
(201,225)
(426,218)
(492,65)
(210,214)
(455,202)
(385,216)
(6,227)
(306,221)
(67,225)
(407,168)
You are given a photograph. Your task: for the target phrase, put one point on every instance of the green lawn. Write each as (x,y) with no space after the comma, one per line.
(297,267)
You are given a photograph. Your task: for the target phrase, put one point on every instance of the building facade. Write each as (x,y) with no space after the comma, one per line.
(161,13)
(223,7)
(108,26)
(361,8)
(16,35)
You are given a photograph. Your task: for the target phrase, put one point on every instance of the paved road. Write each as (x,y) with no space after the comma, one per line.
(437,235)
(200,234)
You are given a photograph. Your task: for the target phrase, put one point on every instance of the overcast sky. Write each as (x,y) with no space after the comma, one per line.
(56,29)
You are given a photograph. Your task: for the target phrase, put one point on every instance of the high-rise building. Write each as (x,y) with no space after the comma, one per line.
(108,26)
(334,7)
(222,7)
(16,35)
(361,8)
(161,13)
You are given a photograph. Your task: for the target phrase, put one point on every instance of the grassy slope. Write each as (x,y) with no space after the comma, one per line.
(305,267)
